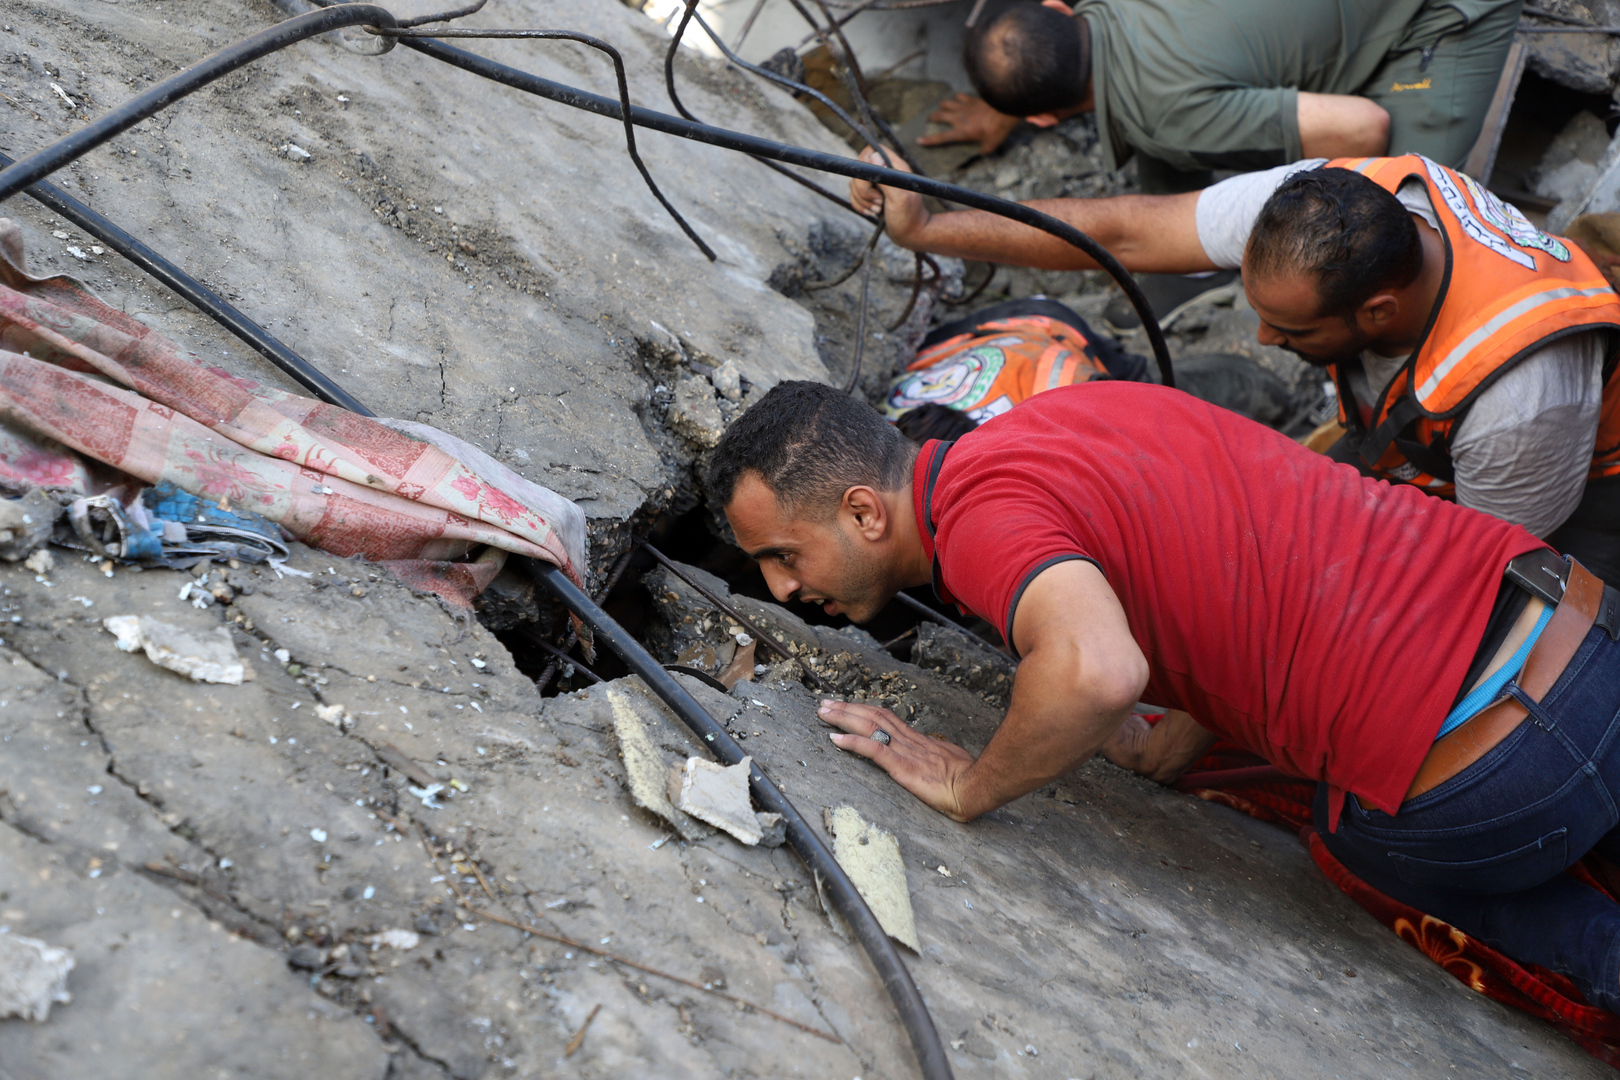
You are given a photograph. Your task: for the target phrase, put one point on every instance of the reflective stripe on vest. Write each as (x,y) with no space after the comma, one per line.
(1509,288)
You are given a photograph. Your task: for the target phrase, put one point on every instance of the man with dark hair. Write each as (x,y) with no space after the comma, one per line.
(1190,86)
(1473,355)
(1132,543)
(1194,85)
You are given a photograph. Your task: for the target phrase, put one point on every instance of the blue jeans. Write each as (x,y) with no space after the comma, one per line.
(1485,851)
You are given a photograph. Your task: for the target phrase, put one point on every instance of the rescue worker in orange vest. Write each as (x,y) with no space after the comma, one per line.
(974,368)
(977,367)
(1475,356)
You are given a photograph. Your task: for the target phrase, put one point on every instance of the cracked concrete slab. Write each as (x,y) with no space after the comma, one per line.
(453,251)
(1115,928)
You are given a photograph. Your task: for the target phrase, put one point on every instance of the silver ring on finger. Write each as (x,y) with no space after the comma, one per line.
(880,736)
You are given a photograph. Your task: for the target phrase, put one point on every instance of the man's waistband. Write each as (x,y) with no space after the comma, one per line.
(1579,602)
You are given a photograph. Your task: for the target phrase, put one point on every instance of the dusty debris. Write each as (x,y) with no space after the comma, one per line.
(741,668)
(694,414)
(41,562)
(210,657)
(336,715)
(403,940)
(717,794)
(871,858)
(33,977)
(773,829)
(647,768)
(26,523)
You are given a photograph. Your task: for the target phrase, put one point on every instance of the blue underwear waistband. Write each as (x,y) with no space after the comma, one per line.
(1487,692)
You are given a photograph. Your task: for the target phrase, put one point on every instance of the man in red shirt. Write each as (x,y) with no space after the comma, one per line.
(1131,542)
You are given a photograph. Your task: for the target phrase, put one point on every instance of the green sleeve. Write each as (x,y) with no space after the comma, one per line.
(1240,128)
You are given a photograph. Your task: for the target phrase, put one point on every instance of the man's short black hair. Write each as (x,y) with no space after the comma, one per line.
(810,443)
(1335,225)
(1028,60)
(934,421)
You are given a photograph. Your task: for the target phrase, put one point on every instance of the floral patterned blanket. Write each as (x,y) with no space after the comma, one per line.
(1242,781)
(92,400)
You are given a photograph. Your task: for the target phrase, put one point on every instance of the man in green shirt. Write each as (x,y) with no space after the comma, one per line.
(1192,86)
(1242,84)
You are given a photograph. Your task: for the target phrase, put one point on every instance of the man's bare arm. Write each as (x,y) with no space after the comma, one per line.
(1342,125)
(1151,233)
(1082,671)
(1161,752)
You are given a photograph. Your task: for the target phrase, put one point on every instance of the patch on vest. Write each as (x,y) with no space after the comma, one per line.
(1498,214)
(993,408)
(958,382)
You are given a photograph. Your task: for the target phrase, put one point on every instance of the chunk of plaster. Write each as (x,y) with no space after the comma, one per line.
(647,769)
(717,794)
(33,977)
(871,858)
(210,657)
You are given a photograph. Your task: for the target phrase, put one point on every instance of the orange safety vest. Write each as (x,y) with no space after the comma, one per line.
(1508,289)
(990,369)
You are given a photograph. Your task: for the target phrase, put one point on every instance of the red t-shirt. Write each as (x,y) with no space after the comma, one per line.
(1321,620)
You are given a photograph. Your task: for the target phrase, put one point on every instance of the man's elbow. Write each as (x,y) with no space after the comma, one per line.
(1372,131)
(1118,686)
(1342,126)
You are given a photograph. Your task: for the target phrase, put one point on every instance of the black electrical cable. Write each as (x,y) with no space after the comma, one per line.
(624,100)
(38,166)
(812,159)
(188,287)
(675,100)
(840,890)
(885,957)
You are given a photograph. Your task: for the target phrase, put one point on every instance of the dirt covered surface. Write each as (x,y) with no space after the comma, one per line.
(318,871)
(226,863)
(452,251)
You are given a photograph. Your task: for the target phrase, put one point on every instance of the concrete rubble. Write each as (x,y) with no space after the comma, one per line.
(166,832)
(33,977)
(210,658)
(386,854)
(717,794)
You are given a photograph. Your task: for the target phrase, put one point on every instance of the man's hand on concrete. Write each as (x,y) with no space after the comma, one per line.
(904,214)
(929,768)
(969,119)
(1161,752)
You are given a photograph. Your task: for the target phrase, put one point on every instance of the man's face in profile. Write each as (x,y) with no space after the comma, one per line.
(1290,318)
(823,562)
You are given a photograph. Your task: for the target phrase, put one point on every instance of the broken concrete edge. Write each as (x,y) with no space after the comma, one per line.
(647,769)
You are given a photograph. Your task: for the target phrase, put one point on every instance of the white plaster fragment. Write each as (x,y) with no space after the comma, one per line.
(209,657)
(717,794)
(33,977)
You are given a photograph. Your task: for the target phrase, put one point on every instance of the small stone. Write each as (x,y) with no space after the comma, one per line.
(306,958)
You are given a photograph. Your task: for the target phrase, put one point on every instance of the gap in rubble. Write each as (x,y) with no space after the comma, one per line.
(1541,109)
(689,539)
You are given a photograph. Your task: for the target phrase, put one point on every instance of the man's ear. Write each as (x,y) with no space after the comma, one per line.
(1058,5)
(865,509)
(1378,313)
(1042,120)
